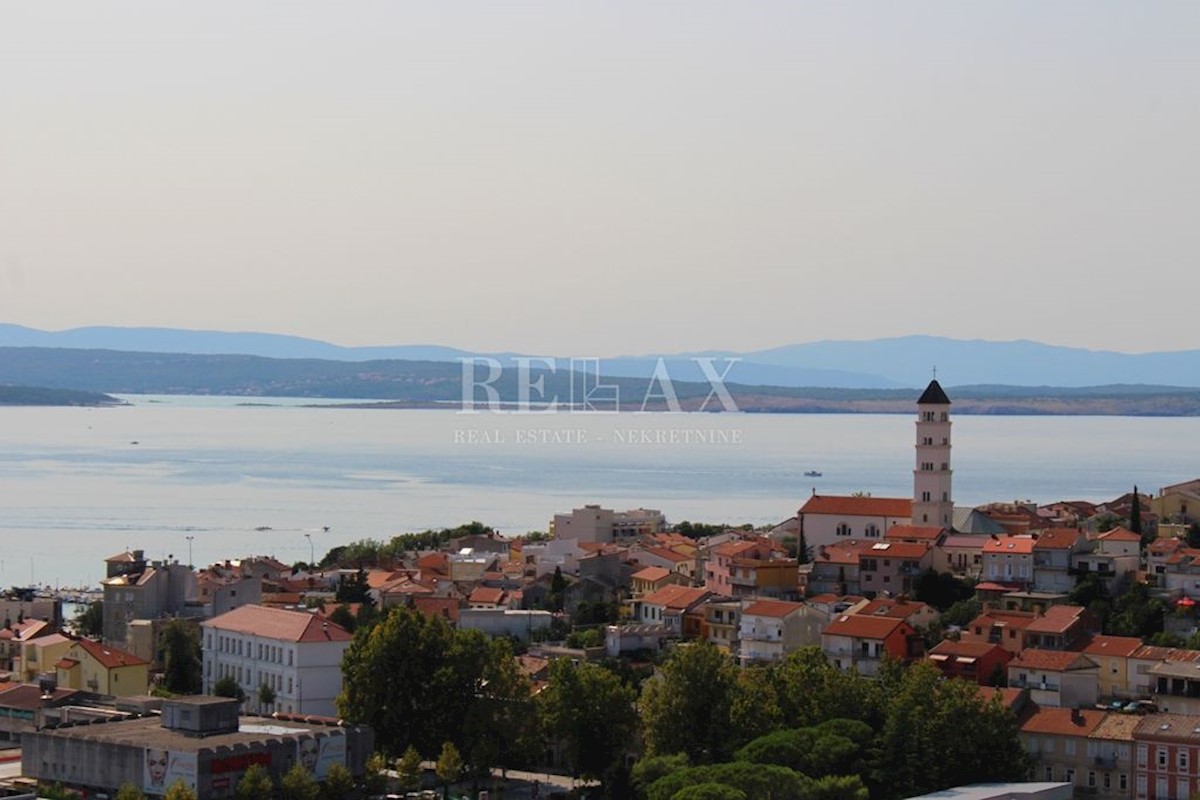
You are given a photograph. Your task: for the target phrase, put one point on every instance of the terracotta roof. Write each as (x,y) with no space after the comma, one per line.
(1063,721)
(50,639)
(665,553)
(652,574)
(992,586)
(1019,620)
(892,607)
(772,608)
(28,696)
(1120,646)
(914,550)
(1051,660)
(447,607)
(675,597)
(949,647)
(899,507)
(1057,539)
(843,552)
(734,548)
(1057,619)
(1148,652)
(1117,726)
(924,533)
(971,540)
(1158,726)
(1008,697)
(486,594)
(121,558)
(66,663)
(109,657)
(1120,535)
(865,627)
(278,623)
(1010,544)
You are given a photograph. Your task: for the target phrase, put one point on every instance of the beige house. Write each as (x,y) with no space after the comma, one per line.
(1178,503)
(770,629)
(38,656)
(102,669)
(1055,678)
(1057,742)
(1112,654)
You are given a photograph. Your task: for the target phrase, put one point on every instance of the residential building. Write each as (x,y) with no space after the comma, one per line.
(1057,741)
(515,624)
(1167,748)
(960,554)
(39,655)
(917,614)
(977,662)
(1111,556)
(1061,628)
(667,606)
(835,568)
(933,502)
(1178,503)
(1053,552)
(651,579)
(14,635)
(595,524)
(137,589)
(722,621)
(1005,628)
(102,669)
(1009,559)
(295,653)
(1112,654)
(851,641)
(890,568)
(1110,746)
(770,629)
(1055,678)
(719,571)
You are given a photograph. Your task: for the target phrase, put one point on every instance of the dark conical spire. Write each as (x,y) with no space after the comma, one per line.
(934,395)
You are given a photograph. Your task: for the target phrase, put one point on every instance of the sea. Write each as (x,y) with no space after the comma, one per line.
(204,479)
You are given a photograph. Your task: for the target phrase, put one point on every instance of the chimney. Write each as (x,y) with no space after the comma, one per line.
(1076,716)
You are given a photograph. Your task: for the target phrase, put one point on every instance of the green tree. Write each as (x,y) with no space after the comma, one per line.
(255,784)
(558,585)
(709,791)
(409,769)
(89,621)
(450,768)
(500,728)
(757,781)
(229,687)
(181,657)
(355,589)
(688,709)
(342,617)
(298,784)
(266,697)
(129,792)
(1135,513)
(375,775)
(179,791)
(651,768)
(1193,535)
(414,679)
(339,783)
(591,711)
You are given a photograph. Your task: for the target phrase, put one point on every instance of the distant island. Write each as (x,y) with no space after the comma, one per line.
(41,396)
(75,377)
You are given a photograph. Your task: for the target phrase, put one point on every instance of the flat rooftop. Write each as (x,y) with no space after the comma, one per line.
(149,732)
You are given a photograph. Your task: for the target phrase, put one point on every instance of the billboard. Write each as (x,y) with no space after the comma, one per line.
(162,768)
(317,754)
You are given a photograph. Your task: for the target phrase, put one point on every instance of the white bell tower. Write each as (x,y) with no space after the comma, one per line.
(933,503)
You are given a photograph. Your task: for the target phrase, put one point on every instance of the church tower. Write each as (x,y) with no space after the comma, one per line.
(932,499)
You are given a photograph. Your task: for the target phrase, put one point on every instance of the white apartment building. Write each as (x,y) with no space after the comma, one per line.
(296,653)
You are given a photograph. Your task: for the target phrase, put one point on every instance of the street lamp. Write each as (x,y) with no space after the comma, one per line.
(311,554)
(189,538)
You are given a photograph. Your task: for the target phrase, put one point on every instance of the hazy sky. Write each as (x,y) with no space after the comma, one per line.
(605,177)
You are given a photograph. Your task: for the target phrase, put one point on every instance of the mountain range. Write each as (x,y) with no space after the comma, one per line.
(893,363)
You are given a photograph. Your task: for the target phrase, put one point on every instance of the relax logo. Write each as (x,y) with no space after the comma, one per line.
(587,394)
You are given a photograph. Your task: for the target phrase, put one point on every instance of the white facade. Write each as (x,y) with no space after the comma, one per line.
(306,676)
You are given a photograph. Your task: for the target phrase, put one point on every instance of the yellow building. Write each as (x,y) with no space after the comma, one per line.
(39,655)
(95,667)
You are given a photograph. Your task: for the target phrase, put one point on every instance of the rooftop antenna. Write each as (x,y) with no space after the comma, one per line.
(935,372)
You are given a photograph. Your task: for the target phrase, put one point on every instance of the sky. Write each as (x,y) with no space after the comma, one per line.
(605,177)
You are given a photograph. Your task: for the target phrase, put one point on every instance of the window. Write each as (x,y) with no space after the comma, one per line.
(1123,782)
(843,529)
(925,497)
(1070,778)
(1183,759)
(1108,780)
(1091,778)
(1049,773)
(1069,747)
(1162,758)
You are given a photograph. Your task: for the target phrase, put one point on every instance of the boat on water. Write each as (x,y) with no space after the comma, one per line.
(812,473)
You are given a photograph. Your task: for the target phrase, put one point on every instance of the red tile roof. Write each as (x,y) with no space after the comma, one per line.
(949,647)
(1057,619)
(278,623)
(1062,721)
(865,627)
(1120,535)
(843,552)
(1057,539)
(667,554)
(675,597)
(109,657)
(651,574)
(1051,660)
(1009,544)
(892,607)
(914,550)
(486,594)
(1120,646)
(924,533)
(896,507)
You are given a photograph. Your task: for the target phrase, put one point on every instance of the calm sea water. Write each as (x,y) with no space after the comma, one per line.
(78,485)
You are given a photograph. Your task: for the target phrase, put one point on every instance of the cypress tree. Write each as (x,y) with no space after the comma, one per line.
(1135,512)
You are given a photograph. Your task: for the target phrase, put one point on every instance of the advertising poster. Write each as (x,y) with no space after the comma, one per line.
(318,754)
(164,767)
